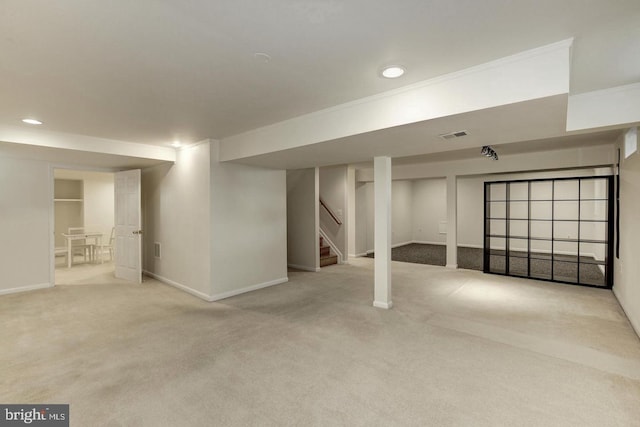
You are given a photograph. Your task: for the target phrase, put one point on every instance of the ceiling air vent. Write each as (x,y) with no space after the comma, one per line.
(452,135)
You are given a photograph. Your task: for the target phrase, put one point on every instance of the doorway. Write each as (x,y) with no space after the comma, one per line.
(83,227)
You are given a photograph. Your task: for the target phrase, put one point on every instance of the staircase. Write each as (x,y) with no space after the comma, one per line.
(326,258)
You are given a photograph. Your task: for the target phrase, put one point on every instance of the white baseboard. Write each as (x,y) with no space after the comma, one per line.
(359,255)
(402,244)
(303,267)
(635,323)
(452,266)
(385,305)
(427,242)
(235,292)
(180,286)
(25,288)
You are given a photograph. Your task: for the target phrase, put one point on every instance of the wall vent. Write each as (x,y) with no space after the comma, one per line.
(451,135)
(156,250)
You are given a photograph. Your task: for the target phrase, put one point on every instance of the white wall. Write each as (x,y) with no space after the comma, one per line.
(248,227)
(401,212)
(303,219)
(627,268)
(26,195)
(429,209)
(333,188)
(99,202)
(471,211)
(422,204)
(364,217)
(177,215)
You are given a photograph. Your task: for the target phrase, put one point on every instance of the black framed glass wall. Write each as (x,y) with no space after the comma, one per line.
(550,229)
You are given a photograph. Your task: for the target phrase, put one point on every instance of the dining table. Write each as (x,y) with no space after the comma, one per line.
(97,241)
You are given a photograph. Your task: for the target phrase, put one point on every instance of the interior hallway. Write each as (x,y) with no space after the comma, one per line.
(458,348)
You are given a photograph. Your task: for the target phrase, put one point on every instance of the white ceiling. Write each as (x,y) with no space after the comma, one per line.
(153,71)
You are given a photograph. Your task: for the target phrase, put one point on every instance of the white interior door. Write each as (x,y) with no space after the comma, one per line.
(128,219)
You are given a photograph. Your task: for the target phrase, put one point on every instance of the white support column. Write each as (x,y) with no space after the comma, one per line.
(351,212)
(452,221)
(382,238)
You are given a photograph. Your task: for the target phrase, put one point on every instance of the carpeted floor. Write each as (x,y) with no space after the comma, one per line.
(458,348)
(468,258)
(564,267)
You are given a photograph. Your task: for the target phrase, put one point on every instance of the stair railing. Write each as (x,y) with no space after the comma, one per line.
(331,214)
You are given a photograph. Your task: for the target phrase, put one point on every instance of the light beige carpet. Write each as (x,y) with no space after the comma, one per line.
(459,348)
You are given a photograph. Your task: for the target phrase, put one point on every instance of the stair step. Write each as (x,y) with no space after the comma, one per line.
(325,251)
(328,260)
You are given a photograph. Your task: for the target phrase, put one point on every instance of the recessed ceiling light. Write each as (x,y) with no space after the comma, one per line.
(32,121)
(392,71)
(176,144)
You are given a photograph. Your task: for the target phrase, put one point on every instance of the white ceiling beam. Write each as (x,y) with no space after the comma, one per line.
(45,138)
(529,75)
(600,155)
(604,108)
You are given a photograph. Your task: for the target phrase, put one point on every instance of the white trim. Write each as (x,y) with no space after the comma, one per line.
(427,242)
(461,245)
(68,141)
(385,305)
(634,324)
(452,266)
(304,267)
(362,254)
(249,289)
(332,245)
(402,244)
(25,288)
(195,144)
(177,285)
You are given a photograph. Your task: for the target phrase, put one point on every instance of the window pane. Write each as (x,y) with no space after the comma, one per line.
(565,210)
(565,189)
(541,229)
(497,210)
(519,210)
(541,210)
(498,191)
(518,191)
(565,271)
(565,230)
(541,190)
